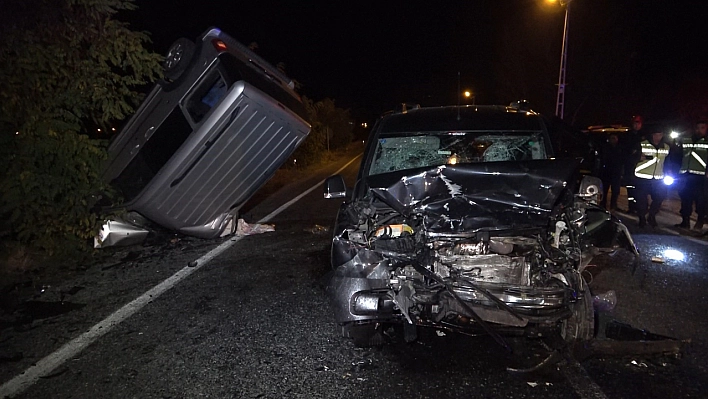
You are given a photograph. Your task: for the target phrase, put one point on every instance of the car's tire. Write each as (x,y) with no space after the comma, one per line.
(363,335)
(580,326)
(177,58)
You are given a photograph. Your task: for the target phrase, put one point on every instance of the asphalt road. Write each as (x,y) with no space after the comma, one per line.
(255,322)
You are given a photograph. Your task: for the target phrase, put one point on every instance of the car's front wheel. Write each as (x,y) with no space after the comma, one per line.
(580,326)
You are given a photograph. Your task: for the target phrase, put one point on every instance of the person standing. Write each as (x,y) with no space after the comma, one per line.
(632,153)
(692,176)
(649,174)
(611,164)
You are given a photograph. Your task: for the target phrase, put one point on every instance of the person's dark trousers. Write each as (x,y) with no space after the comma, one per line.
(642,190)
(692,192)
(614,183)
(656,189)
(658,193)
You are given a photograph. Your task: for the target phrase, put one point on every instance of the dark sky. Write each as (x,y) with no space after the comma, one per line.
(624,56)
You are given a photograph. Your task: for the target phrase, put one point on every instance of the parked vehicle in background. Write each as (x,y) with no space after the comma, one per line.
(468,219)
(673,130)
(600,133)
(207,136)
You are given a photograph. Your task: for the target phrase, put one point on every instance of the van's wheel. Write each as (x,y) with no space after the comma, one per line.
(178,58)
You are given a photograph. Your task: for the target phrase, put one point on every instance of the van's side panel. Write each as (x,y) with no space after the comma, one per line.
(222,164)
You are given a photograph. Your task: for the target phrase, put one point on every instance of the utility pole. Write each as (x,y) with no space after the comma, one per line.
(560,100)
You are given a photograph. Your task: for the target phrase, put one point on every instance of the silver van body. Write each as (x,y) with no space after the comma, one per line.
(203,142)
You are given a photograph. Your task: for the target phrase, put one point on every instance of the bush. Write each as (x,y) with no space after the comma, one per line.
(51,177)
(64,64)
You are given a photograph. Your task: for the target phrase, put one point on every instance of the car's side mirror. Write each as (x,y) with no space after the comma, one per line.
(334,187)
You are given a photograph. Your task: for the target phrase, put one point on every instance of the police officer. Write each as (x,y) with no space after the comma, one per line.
(630,142)
(611,164)
(649,174)
(693,176)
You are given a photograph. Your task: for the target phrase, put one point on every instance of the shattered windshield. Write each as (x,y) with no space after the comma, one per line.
(402,151)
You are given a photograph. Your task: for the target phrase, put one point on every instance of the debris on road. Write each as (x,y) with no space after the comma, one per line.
(624,332)
(622,339)
(317,229)
(605,302)
(245,229)
(119,233)
(241,228)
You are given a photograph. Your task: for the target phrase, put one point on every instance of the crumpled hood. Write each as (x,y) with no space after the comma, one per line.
(467,197)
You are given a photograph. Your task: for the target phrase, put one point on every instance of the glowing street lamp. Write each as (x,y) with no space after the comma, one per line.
(468,94)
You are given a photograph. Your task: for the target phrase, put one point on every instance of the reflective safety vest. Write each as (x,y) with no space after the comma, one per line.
(652,166)
(695,156)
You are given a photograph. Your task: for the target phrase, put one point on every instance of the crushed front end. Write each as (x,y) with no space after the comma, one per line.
(452,249)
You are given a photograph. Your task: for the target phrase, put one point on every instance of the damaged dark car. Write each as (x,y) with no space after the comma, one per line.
(466,219)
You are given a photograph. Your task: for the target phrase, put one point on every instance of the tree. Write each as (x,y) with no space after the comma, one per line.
(332,128)
(64,64)
(336,123)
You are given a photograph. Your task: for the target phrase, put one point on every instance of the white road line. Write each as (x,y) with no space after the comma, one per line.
(296,199)
(45,366)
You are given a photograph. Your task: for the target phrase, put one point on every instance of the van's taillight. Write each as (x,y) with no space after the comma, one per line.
(219,45)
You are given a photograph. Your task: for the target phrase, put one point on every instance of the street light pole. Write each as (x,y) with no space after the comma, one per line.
(560,100)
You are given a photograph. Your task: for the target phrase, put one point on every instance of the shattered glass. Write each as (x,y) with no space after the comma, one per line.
(417,150)
(398,153)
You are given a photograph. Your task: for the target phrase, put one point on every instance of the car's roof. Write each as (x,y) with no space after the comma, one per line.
(461,118)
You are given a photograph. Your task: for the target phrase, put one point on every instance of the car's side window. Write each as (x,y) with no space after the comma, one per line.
(205,96)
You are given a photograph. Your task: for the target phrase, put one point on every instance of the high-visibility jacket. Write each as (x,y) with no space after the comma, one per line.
(695,156)
(652,164)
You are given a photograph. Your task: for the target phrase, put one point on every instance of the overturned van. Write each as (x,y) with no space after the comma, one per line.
(207,136)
